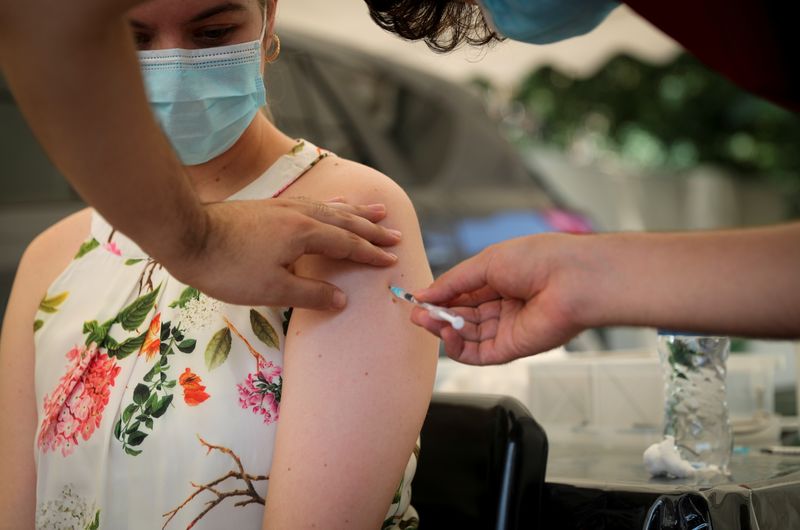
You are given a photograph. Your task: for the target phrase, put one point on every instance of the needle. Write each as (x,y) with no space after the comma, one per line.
(436,312)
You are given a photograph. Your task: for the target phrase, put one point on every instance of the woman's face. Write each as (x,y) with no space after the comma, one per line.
(192,24)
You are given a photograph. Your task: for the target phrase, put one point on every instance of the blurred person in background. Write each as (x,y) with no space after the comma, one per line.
(531,294)
(150,404)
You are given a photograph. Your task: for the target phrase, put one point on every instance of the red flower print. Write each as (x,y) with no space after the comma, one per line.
(193,390)
(261,391)
(76,405)
(152,341)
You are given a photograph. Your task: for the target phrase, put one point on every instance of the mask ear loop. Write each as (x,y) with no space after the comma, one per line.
(263,26)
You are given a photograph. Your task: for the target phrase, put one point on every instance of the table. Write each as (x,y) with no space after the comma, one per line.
(610,489)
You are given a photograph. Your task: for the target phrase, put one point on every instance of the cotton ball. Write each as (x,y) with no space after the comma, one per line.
(663,459)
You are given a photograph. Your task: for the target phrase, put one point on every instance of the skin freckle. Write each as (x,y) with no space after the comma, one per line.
(298,333)
(319,355)
(366,373)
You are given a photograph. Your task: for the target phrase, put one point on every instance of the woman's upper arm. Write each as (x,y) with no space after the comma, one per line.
(41,263)
(356,384)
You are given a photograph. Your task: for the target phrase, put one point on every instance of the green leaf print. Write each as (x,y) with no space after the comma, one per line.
(37,325)
(87,247)
(140,394)
(147,404)
(126,347)
(153,397)
(398,493)
(188,294)
(165,330)
(50,304)
(218,348)
(133,261)
(287,316)
(97,332)
(136,438)
(263,329)
(134,314)
(187,346)
(162,406)
(298,148)
(128,412)
(95,524)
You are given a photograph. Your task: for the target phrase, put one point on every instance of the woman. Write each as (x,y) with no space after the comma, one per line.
(152,405)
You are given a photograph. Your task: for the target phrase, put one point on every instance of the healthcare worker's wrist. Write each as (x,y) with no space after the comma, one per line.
(602,289)
(187,244)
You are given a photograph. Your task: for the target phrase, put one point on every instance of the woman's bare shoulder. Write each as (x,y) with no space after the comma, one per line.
(356,183)
(52,250)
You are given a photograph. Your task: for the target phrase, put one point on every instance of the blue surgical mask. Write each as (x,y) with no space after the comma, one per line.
(204,99)
(545,21)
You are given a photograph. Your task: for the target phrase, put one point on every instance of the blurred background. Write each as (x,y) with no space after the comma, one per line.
(616,130)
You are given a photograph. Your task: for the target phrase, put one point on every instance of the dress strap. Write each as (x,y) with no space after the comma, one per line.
(285,171)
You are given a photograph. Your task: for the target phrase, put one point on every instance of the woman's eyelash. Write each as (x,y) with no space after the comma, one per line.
(215,33)
(141,39)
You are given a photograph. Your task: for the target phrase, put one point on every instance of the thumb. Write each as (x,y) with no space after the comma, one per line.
(313,294)
(467,276)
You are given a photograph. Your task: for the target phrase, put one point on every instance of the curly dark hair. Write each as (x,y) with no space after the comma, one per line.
(442,24)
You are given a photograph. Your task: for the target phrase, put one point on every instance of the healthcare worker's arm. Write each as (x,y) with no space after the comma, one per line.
(356,383)
(73,71)
(531,294)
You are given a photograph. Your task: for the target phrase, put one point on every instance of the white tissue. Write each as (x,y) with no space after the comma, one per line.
(663,459)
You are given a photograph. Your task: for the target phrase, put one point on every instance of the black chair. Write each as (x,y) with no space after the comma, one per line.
(482,465)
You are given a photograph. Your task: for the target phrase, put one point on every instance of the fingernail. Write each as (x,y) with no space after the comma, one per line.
(339,300)
(338,198)
(377,207)
(391,255)
(396,233)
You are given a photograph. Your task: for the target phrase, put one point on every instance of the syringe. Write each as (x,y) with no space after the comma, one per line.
(435,311)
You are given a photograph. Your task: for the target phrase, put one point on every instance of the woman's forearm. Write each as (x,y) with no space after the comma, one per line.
(744,282)
(74,73)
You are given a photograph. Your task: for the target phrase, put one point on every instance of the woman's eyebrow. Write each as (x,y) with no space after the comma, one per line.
(222,8)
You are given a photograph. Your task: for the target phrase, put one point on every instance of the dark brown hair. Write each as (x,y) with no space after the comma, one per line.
(442,24)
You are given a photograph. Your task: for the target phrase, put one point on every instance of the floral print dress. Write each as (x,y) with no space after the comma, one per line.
(158,405)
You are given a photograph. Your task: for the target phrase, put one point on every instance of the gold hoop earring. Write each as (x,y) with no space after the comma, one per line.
(276,49)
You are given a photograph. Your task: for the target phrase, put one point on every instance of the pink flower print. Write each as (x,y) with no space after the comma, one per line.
(261,391)
(113,248)
(76,405)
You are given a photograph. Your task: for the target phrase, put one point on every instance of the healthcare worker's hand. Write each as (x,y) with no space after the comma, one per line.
(517,298)
(531,294)
(258,242)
